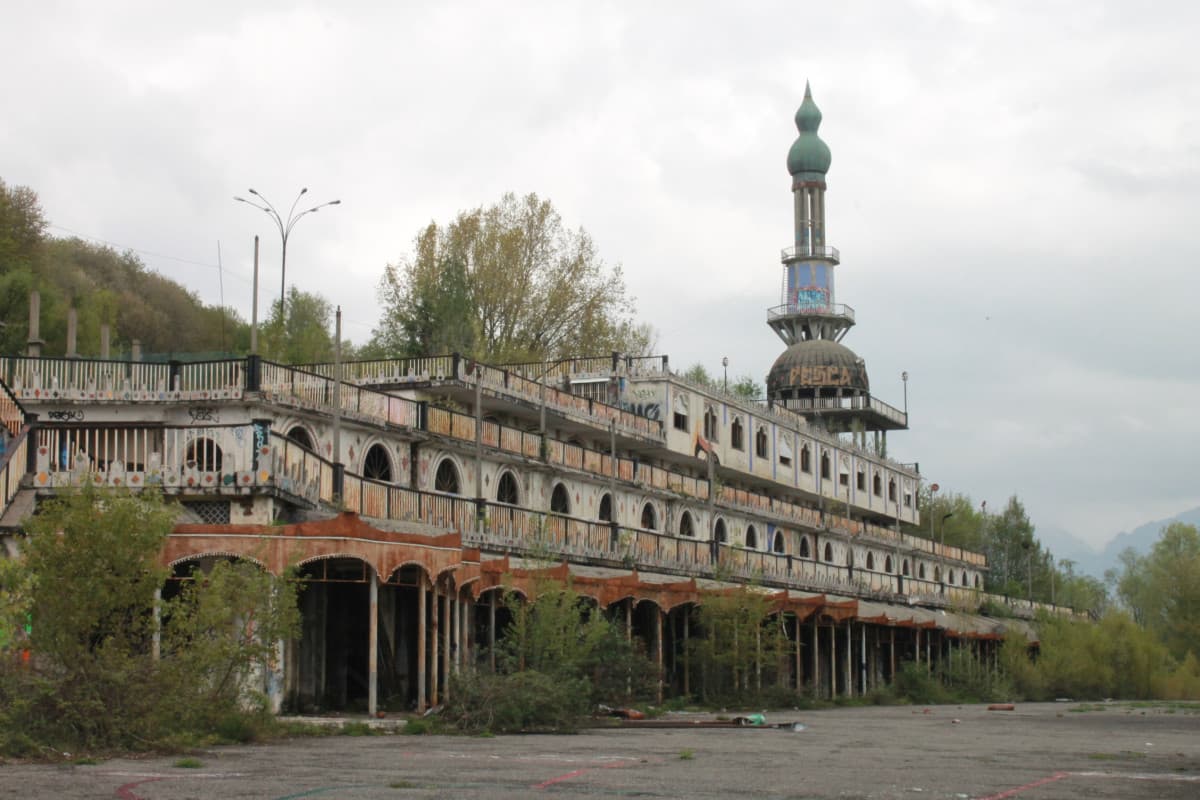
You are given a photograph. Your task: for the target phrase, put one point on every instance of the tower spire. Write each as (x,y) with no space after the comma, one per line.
(808,310)
(817,376)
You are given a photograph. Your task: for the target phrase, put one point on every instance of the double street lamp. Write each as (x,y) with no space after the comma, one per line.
(285,226)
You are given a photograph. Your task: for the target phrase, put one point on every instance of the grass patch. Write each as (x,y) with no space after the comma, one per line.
(358,729)
(189,762)
(86,761)
(686,755)
(403,785)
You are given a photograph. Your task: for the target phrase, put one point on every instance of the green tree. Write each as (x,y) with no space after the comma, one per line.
(697,373)
(1162,588)
(303,334)
(22,227)
(438,317)
(112,666)
(747,388)
(742,647)
(532,289)
(220,634)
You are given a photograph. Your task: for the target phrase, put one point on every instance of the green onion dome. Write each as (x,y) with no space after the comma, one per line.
(809,156)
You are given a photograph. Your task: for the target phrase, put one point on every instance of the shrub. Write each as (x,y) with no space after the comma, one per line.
(113,668)
(521,702)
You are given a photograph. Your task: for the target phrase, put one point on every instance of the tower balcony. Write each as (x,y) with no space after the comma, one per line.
(802,309)
(799,252)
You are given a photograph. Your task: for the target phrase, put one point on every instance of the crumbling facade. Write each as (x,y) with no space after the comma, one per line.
(411,492)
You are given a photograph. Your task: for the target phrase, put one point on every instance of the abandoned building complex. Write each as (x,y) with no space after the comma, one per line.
(412,493)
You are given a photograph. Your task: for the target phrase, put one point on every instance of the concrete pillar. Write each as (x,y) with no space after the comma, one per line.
(447,627)
(72,332)
(816,659)
(687,655)
(156,645)
(758,658)
(833,670)
(373,646)
(892,656)
(799,673)
(862,658)
(492,629)
(35,342)
(105,340)
(421,646)
(277,684)
(658,649)
(135,350)
(849,659)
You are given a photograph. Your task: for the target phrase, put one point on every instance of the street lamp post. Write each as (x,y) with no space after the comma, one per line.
(285,226)
(904,378)
(725,367)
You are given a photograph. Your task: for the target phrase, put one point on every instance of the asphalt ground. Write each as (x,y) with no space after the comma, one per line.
(1036,752)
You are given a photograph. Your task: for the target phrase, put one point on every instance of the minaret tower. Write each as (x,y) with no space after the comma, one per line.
(808,311)
(817,376)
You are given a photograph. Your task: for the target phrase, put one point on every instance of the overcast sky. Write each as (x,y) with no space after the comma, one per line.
(1015,187)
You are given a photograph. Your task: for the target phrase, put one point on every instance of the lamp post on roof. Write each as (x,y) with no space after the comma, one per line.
(285,226)
(725,367)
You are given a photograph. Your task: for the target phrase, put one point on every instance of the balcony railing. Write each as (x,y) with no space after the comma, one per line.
(811,310)
(810,251)
(510,380)
(218,459)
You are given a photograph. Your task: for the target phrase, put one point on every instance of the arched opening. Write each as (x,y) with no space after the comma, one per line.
(805,459)
(777,544)
(506,489)
(828,553)
(976,581)
(712,430)
(737,434)
(904,568)
(605,512)
(751,537)
(860,480)
(850,559)
(887,565)
(937,574)
(331,654)
(921,571)
(299,435)
(877,485)
(445,480)
(377,464)
(870,561)
(686,527)
(649,518)
(805,550)
(204,455)
(760,442)
(825,466)
(892,490)
(560,500)
(950,577)
(719,532)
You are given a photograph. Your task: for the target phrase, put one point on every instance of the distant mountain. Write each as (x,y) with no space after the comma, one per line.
(1096,562)
(1065,546)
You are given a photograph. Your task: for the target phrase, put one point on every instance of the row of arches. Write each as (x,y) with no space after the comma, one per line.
(372,641)
(377,465)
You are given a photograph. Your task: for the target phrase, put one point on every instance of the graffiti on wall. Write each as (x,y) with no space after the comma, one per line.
(643,401)
(827,376)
